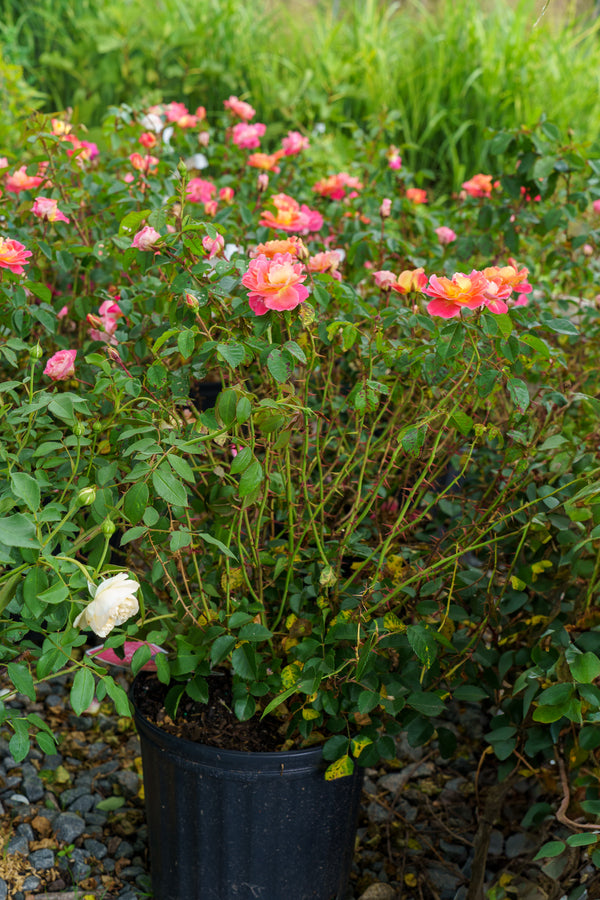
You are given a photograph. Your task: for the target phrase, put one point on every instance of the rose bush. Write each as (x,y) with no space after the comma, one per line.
(392,501)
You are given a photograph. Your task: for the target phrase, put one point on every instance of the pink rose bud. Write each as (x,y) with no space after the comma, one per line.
(588,250)
(385,210)
(214,247)
(596,206)
(146,238)
(61,365)
(262,182)
(204,138)
(445,235)
(226,194)
(384,279)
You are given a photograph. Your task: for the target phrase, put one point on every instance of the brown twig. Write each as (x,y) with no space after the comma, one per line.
(561,813)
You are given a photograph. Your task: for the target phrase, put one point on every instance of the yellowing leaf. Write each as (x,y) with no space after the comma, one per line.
(309,714)
(291,674)
(410,879)
(358,744)
(339,769)
(391,622)
(517,584)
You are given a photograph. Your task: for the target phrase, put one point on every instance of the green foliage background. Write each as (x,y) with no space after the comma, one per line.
(445,70)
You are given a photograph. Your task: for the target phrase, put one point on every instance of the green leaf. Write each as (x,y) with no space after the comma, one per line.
(209,539)
(519,393)
(46,742)
(425,703)
(221,648)
(179,539)
(168,487)
(111,803)
(185,342)
(469,693)
(462,422)
(226,407)
(182,468)
(243,410)
(8,588)
(244,662)
(422,644)
(280,364)
(241,460)
(552,848)
(22,679)
(18,531)
(135,502)
(26,488)
(254,631)
(19,742)
(82,691)
(585,667)
(582,840)
(117,694)
(232,352)
(251,479)
(56,593)
(296,350)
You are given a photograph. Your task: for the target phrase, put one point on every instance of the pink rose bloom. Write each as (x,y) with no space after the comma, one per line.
(275,283)
(61,365)
(334,186)
(478,186)
(329,261)
(451,295)
(394,159)
(200,191)
(21,181)
(596,206)
(384,279)
(262,182)
(175,111)
(416,195)
(211,207)
(63,311)
(267,161)
(239,108)
(146,238)
(147,164)
(214,247)
(503,280)
(148,140)
(410,280)
(45,208)
(13,255)
(445,235)
(204,138)
(294,143)
(226,194)
(3,162)
(247,137)
(385,210)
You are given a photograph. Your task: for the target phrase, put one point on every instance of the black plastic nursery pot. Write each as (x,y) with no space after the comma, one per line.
(234,825)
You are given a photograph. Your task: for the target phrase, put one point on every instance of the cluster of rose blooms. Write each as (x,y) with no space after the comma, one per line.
(278,269)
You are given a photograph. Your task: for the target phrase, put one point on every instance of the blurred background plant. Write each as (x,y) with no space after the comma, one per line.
(432,66)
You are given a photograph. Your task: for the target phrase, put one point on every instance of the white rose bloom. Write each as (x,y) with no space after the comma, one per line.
(113,602)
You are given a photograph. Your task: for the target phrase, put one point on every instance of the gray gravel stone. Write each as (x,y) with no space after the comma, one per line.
(82,804)
(67,797)
(18,844)
(42,859)
(95,848)
(52,761)
(53,700)
(26,830)
(124,850)
(3,889)
(379,891)
(519,844)
(456,852)
(129,781)
(33,788)
(31,883)
(80,868)
(98,748)
(68,826)
(496,843)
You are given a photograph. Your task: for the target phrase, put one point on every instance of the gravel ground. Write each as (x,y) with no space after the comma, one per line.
(72,824)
